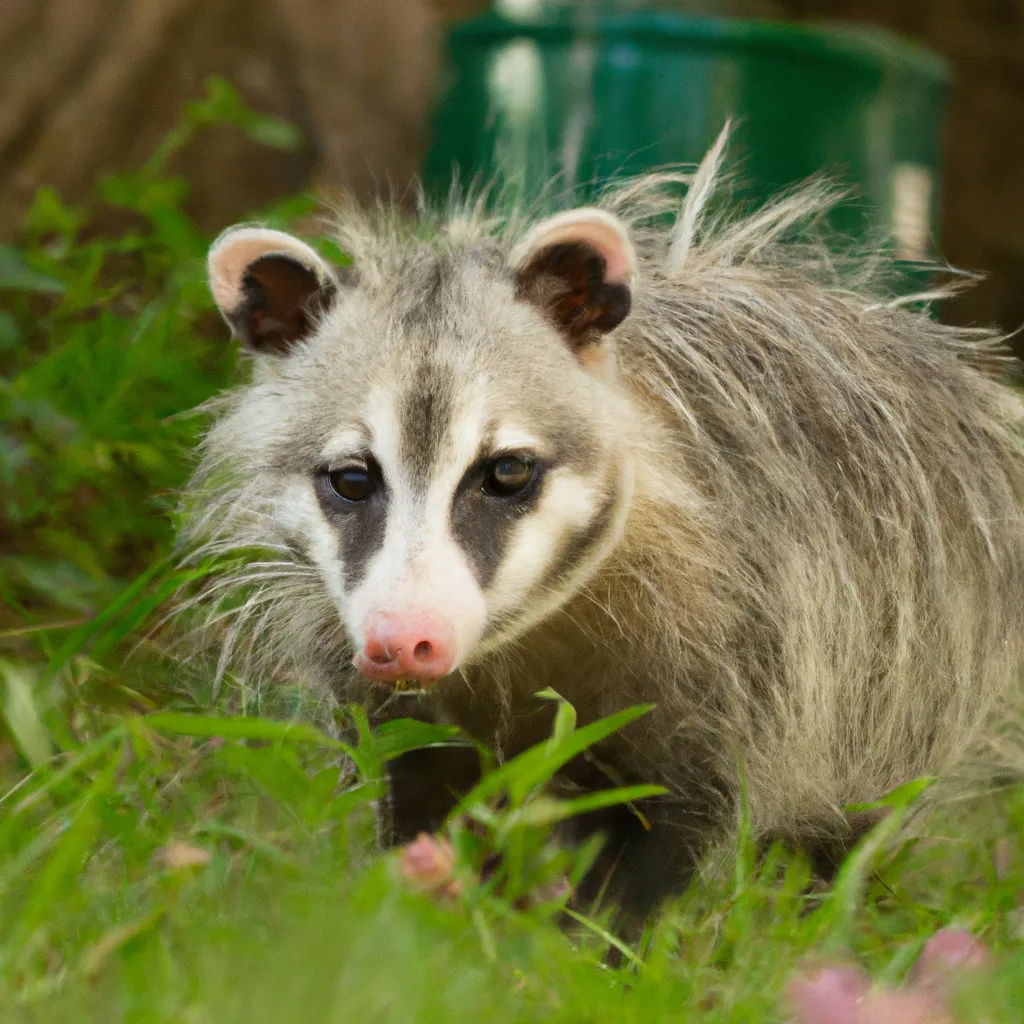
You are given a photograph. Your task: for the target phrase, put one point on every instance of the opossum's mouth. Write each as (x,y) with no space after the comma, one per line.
(410,686)
(406,687)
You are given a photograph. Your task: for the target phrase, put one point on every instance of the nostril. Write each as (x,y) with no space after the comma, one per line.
(380,653)
(423,650)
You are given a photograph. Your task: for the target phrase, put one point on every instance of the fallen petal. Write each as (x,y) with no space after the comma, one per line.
(178,855)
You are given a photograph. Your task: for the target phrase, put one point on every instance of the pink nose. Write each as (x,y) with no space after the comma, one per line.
(406,647)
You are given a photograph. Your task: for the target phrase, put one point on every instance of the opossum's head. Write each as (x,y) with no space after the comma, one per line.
(439,430)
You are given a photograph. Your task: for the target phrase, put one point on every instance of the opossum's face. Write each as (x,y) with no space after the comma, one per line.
(440,432)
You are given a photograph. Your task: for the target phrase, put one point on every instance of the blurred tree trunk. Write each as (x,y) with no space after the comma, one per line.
(91,86)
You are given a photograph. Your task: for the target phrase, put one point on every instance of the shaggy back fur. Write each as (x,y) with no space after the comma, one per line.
(820,573)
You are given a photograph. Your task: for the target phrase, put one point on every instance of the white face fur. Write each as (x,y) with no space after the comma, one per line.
(435,430)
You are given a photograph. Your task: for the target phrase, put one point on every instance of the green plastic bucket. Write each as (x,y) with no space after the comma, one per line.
(583,93)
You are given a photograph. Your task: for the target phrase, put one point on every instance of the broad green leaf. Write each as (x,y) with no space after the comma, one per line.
(401,735)
(49,214)
(22,714)
(565,723)
(535,767)
(17,275)
(278,775)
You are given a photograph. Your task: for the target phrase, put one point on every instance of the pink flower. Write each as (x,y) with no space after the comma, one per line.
(832,995)
(947,955)
(428,864)
(945,951)
(843,995)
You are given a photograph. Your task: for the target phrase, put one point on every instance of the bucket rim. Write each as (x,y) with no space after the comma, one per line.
(823,41)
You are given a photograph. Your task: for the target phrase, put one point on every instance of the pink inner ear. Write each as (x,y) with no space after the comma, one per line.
(592,227)
(227,268)
(615,249)
(230,257)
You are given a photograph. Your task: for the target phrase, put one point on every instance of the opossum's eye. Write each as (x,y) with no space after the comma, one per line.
(508,475)
(352,483)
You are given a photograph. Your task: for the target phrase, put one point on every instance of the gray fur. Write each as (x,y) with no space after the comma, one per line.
(821,573)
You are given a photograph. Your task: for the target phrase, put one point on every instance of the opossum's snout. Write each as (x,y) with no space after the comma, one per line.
(458,425)
(415,647)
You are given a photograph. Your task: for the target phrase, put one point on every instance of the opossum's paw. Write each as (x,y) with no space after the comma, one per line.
(844,995)
(830,847)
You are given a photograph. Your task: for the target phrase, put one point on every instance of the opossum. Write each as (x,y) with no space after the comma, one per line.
(654,449)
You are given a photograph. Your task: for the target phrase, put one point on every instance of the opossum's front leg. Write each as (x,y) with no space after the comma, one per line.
(645,861)
(829,846)
(423,787)
(643,865)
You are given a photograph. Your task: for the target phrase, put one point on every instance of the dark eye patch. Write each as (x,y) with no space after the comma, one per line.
(482,522)
(361,524)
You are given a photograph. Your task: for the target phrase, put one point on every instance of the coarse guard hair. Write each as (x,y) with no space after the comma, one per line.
(648,450)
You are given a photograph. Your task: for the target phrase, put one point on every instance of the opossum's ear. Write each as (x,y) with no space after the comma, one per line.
(269,286)
(578,266)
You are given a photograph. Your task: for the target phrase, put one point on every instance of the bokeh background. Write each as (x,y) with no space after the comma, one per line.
(91,86)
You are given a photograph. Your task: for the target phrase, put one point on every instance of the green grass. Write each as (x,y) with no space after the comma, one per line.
(112,752)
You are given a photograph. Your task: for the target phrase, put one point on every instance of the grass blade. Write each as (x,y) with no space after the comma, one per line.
(240,728)
(547,812)
(21,714)
(849,886)
(536,766)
